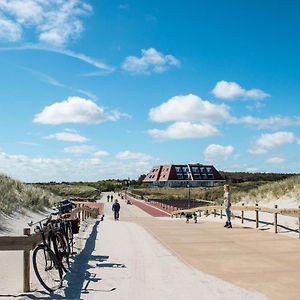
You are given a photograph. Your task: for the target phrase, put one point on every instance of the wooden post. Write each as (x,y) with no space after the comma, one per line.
(215,213)
(242,218)
(199,213)
(275,220)
(256,212)
(26,265)
(221,212)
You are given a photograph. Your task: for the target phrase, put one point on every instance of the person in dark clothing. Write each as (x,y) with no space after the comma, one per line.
(116,209)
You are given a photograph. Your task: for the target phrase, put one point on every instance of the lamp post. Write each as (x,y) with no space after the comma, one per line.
(189,186)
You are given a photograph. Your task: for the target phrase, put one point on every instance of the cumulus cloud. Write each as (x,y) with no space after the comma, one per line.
(274,122)
(67,136)
(184,130)
(216,152)
(9,30)
(269,141)
(230,90)
(101,153)
(82,149)
(54,21)
(189,108)
(43,169)
(137,156)
(150,61)
(74,110)
(275,160)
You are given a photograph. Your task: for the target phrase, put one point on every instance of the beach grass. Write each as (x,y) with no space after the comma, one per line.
(16,196)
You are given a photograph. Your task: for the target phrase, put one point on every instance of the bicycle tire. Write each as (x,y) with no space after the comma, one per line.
(47,268)
(63,250)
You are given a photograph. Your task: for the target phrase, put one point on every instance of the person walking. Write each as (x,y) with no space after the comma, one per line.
(108,198)
(111,198)
(116,209)
(227,205)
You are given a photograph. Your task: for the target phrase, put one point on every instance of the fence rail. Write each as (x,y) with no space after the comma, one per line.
(218,209)
(28,242)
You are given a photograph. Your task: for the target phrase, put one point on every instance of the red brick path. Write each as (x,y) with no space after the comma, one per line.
(151,210)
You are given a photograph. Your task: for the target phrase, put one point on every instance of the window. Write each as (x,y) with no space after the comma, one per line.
(178,169)
(195,169)
(186,176)
(185,169)
(210,176)
(202,170)
(208,170)
(204,176)
(197,177)
(179,176)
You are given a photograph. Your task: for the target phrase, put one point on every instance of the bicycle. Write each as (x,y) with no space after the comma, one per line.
(46,265)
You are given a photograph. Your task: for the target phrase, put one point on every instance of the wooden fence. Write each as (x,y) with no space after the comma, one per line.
(28,242)
(218,209)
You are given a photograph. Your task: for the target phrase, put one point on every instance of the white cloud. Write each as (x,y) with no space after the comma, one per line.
(43,169)
(74,110)
(9,30)
(269,141)
(150,61)
(230,90)
(274,140)
(54,21)
(189,108)
(275,160)
(273,122)
(184,130)
(215,152)
(82,149)
(101,153)
(67,137)
(137,156)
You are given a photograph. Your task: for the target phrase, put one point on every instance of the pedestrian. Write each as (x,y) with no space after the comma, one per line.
(108,198)
(227,205)
(195,217)
(111,198)
(116,209)
(188,217)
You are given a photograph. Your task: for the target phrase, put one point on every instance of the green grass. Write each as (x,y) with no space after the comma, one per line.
(253,190)
(69,190)
(289,187)
(15,196)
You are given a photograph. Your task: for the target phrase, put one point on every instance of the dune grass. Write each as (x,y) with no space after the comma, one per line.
(289,187)
(16,196)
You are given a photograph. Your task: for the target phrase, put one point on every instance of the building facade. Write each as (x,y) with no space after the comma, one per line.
(193,175)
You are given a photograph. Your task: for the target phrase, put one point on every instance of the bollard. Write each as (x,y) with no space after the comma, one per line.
(256,215)
(26,265)
(242,218)
(215,213)
(275,220)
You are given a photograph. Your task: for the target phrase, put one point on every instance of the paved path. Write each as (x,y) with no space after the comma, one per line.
(122,260)
(246,257)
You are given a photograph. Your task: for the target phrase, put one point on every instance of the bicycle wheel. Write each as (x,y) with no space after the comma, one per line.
(62,249)
(47,268)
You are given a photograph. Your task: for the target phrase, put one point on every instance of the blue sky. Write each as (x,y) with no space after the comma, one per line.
(107,89)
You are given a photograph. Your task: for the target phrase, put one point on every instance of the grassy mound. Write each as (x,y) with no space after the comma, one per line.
(15,196)
(289,187)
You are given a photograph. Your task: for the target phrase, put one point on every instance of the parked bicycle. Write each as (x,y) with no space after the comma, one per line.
(46,263)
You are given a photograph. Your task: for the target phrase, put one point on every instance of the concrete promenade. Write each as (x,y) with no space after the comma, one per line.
(246,257)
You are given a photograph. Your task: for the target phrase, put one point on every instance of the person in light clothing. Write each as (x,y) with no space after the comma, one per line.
(227,205)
